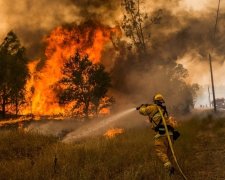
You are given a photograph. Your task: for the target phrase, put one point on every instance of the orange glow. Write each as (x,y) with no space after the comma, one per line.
(105,111)
(62,43)
(14,121)
(113,132)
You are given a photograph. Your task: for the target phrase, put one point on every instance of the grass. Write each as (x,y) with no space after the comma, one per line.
(127,156)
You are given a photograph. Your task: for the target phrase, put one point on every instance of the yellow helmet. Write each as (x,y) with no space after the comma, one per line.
(158,98)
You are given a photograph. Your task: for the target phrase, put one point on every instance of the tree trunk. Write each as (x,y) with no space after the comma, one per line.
(96,109)
(17,106)
(3,107)
(86,110)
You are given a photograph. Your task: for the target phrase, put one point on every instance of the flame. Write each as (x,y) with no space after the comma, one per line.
(19,120)
(105,111)
(111,133)
(62,43)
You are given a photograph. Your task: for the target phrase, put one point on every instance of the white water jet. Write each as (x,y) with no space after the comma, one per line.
(93,128)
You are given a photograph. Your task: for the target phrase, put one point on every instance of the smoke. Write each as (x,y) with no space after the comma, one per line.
(184,35)
(181,27)
(198,68)
(107,12)
(53,127)
(33,20)
(96,127)
(70,130)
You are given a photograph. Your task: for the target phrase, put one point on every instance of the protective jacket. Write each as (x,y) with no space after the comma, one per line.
(151,110)
(159,119)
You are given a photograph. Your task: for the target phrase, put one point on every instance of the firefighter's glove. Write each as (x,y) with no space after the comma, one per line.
(137,108)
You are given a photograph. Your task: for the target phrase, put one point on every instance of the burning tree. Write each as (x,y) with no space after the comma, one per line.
(13,73)
(89,37)
(85,85)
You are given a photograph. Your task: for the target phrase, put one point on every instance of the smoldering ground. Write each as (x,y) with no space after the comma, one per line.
(71,130)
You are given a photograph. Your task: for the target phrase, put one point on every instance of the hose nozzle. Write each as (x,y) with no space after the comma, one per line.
(137,108)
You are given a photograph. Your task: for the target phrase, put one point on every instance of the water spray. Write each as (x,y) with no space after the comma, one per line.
(93,128)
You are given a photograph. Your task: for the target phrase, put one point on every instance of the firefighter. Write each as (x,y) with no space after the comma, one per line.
(160,140)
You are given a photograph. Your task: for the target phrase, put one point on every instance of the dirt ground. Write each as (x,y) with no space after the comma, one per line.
(200,152)
(208,160)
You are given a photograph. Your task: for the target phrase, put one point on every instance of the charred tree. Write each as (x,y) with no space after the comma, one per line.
(13,72)
(85,85)
(133,24)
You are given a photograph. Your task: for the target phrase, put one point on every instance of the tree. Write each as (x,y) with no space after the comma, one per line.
(13,72)
(149,67)
(181,95)
(85,84)
(133,25)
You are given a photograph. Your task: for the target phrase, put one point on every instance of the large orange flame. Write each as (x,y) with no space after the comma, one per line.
(62,43)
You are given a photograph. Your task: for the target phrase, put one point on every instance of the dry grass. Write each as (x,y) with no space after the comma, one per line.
(127,156)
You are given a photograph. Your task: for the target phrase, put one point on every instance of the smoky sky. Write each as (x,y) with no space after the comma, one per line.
(98,9)
(33,20)
(179,32)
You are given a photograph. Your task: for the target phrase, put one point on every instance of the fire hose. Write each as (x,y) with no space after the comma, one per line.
(170,143)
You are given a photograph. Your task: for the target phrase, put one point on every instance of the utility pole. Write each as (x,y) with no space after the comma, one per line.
(212,81)
(210,58)
(209,98)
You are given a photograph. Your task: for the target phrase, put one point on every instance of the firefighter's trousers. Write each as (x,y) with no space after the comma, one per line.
(162,149)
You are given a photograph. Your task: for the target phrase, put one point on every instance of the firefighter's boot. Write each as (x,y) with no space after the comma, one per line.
(169,168)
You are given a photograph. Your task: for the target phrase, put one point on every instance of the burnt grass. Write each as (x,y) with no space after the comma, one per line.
(200,152)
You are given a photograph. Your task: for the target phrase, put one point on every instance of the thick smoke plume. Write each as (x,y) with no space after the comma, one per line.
(180,28)
(181,34)
(33,20)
